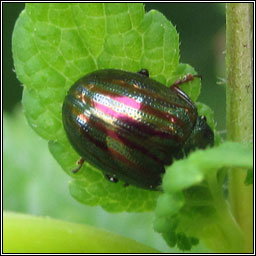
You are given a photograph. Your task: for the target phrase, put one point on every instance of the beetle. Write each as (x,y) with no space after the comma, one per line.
(130,126)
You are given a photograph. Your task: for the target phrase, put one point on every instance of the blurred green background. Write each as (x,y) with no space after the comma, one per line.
(33,181)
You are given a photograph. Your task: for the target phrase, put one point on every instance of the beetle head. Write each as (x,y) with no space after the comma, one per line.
(201,137)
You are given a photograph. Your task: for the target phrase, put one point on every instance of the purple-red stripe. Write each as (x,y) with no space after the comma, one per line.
(141,106)
(143,91)
(134,123)
(106,148)
(121,139)
(165,130)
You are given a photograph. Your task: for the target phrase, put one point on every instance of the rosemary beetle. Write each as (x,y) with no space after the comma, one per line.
(130,126)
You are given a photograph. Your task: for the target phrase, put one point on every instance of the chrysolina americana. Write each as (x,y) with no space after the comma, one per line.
(130,126)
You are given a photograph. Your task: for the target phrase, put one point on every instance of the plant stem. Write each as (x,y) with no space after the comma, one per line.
(240,108)
(24,233)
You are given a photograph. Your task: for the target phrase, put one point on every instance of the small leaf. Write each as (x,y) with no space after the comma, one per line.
(193,205)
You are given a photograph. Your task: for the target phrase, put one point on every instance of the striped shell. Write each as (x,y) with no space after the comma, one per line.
(127,125)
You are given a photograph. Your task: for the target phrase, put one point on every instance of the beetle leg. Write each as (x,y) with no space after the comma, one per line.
(186,79)
(175,87)
(144,72)
(80,162)
(111,178)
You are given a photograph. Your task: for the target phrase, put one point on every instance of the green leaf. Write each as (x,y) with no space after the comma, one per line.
(193,205)
(56,44)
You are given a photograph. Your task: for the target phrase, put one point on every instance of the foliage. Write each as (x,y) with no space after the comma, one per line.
(60,44)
